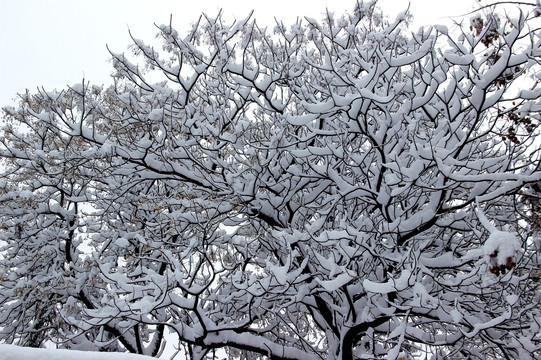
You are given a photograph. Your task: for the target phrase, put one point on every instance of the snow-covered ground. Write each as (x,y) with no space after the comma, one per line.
(12,352)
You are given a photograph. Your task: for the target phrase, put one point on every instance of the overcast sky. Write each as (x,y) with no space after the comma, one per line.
(54,43)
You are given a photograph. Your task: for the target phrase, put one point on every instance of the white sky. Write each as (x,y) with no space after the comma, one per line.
(54,43)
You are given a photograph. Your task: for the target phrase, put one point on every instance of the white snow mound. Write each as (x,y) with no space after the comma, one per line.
(12,352)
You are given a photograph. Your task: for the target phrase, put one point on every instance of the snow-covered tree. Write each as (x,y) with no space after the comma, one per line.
(335,189)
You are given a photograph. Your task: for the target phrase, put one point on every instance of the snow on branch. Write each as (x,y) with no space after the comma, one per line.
(317,191)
